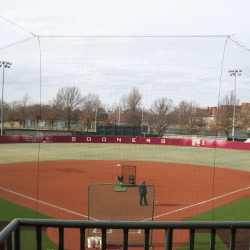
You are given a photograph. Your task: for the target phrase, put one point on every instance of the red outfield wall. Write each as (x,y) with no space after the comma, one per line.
(125,139)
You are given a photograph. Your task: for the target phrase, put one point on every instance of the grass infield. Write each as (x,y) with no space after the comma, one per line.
(29,152)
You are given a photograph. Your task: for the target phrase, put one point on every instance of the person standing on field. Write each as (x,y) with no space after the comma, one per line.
(143,193)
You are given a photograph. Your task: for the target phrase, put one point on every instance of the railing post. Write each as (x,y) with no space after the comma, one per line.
(82,238)
(125,239)
(146,239)
(168,239)
(104,238)
(212,239)
(232,239)
(61,238)
(9,242)
(38,238)
(13,240)
(2,246)
(191,239)
(17,239)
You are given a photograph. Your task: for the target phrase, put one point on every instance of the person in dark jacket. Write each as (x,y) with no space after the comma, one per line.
(143,193)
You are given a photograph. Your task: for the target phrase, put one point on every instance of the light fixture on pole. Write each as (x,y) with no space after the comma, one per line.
(5,65)
(235,72)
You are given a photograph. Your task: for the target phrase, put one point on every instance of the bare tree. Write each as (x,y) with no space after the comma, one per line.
(51,113)
(188,117)
(5,110)
(12,113)
(224,117)
(244,116)
(110,115)
(91,104)
(131,108)
(161,114)
(102,117)
(23,109)
(68,99)
(35,114)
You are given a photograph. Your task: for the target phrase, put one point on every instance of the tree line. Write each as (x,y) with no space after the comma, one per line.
(70,105)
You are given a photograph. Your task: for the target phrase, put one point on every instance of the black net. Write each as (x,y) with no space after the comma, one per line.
(129,174)
(111,202)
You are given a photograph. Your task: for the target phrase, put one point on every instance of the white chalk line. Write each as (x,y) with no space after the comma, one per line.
(174,211)
(199,203)
(48,204)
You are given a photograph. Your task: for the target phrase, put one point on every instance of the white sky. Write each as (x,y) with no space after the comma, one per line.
(175,17)
(130,17)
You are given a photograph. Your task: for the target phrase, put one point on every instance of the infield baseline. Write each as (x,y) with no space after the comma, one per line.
(82,215)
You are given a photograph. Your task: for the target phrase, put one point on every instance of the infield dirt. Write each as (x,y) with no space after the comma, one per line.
(60,190)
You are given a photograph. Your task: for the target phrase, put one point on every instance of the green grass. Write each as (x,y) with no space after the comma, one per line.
(11,211)
(202,242)
(225,158)
(28,241)
(236,211)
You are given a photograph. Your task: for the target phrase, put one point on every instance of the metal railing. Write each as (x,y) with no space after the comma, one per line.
(10,235)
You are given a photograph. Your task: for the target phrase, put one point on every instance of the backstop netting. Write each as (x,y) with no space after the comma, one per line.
(173,105)
(111,202)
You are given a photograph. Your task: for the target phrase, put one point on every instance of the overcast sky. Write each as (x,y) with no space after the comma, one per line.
(176,17)
(113,66)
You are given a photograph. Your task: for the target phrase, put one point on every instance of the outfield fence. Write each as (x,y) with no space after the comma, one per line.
(126,140)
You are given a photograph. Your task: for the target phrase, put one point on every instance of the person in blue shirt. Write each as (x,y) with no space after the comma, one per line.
(143,193)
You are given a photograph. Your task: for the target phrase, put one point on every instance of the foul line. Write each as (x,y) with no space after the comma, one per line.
(199,203)
(66,210)
(48,204)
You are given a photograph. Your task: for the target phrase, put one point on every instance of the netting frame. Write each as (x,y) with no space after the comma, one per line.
(133,172)
(129,186)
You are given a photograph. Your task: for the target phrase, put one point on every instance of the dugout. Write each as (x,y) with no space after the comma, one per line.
(113,202)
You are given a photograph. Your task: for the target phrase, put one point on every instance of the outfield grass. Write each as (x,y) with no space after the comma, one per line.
(29,152)
(11,211)
(236,211)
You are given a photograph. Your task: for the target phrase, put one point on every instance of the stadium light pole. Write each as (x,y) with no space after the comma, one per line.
(234,73)
(3,64)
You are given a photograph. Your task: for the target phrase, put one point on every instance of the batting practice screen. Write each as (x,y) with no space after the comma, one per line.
(129,174)
(111,202)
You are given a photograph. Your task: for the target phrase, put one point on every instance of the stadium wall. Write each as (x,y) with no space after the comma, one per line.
(126,140)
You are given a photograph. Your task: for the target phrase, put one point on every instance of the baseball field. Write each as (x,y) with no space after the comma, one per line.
(52,179)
